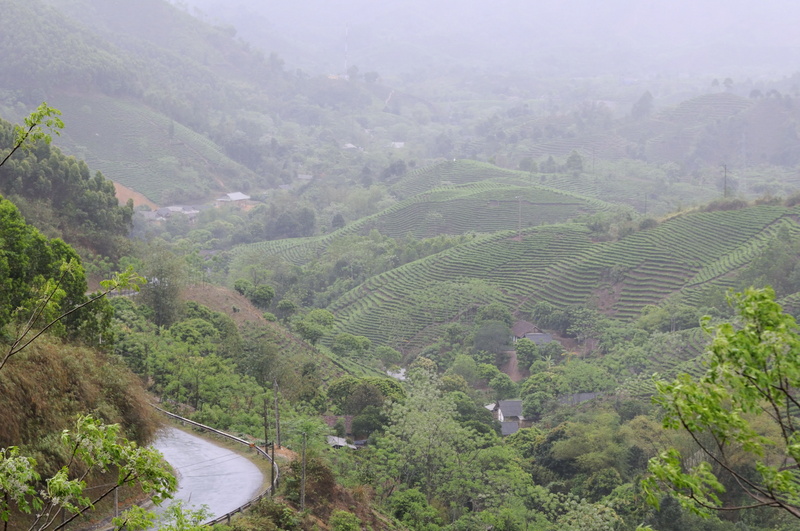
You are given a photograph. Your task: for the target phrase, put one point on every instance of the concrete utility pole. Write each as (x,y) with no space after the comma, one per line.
(303,478)
(277,414)
(272,471)
(266,424)
(725,181)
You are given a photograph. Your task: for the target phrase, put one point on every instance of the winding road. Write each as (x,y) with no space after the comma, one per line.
(208,474)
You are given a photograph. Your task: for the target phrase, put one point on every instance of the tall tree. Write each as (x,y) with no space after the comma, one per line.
(741,413)
(165,273)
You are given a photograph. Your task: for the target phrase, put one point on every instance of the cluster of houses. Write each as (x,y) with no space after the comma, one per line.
(191,212)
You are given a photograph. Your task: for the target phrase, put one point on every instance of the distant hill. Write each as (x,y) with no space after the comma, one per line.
(474,207)
(705,130)
(169,106)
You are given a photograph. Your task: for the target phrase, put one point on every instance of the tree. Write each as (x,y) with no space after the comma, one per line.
(337,221)
(492,336)
(503,387)
(495,312)
(740,413)
(643,106)
(262,295)
(424,441)
(243,286)
(43,119)
(92,446)
(388,355)
(314,325)
(345,344)
(165,272)
(286,308)
(527,352)
(574,163)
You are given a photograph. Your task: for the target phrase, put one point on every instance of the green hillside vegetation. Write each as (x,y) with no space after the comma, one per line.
(405,225)
(55,376)
(477,207)
(684,257)
(60,196)
(33,269)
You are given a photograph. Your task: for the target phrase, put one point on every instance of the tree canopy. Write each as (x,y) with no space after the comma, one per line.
(741,413)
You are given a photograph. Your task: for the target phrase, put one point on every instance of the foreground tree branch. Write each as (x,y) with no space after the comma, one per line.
(753,368)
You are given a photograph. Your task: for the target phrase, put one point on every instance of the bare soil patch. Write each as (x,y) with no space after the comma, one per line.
(124,193)
(225,300)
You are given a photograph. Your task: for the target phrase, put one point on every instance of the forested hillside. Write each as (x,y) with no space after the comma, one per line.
(61,197)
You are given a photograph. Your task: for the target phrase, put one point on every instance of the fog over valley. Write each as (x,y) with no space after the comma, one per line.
(572,38)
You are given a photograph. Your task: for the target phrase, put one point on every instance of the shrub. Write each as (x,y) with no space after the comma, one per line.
(344,521)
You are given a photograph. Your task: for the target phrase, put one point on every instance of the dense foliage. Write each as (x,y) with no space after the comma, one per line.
(60,196)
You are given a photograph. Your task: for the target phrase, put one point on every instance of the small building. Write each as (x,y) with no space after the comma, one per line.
(508,427)
(397,145)
(521,328)
(233,197)
(339,442)
(539,338)
(509,414)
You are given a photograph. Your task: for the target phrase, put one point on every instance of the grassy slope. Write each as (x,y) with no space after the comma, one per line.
(291,347)
(43,389)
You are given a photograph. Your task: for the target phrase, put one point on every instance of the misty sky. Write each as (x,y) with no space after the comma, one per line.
(648,35)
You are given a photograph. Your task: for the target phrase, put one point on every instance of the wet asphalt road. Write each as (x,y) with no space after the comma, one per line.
(208,474)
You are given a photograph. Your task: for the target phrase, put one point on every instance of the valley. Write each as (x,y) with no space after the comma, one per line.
(510,291)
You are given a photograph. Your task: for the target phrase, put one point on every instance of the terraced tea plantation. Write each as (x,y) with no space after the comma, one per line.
(455,172)
(398,306)
(138,150)
(483,207)
(559,264)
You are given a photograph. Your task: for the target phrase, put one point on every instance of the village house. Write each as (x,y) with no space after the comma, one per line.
(509,414)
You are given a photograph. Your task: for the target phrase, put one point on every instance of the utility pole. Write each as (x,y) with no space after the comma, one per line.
(725,181)
(266,423)
(519,217)
(272,471)
(303,478)
(277,414)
